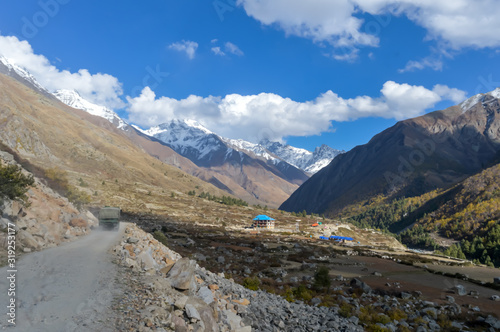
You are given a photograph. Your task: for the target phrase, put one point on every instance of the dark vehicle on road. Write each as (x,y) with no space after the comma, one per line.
(109,217)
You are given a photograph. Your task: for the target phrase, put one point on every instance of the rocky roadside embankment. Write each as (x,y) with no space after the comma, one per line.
(173,293)
(48,220)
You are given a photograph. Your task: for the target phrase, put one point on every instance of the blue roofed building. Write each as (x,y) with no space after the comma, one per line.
(263,221)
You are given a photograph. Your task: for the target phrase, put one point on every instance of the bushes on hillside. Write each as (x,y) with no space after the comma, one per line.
(226,200)
(13,183)
(58,180)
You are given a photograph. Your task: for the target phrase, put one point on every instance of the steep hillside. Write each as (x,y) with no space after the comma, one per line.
(100,159)
(414,156)
(204,154)
(462,220)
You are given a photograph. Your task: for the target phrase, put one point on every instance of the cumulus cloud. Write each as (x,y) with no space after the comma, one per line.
(271,116)
(187,46)
(102,89)
(453,24)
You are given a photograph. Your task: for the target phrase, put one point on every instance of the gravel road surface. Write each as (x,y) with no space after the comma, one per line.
(66,288)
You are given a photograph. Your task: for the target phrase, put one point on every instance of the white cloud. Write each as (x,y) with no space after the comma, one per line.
(187,46)
(427,62)
(453,24)
(233,49)
(102,89)
(271,116)
(453,94)
(217,51)
(327,21)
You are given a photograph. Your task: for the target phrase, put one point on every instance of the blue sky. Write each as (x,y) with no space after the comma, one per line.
(308,73)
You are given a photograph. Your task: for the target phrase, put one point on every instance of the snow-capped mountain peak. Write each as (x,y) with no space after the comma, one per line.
(22,72)
(192,139)
(73,99)
(256,149)
(187,137)
(470,102)
(310,162)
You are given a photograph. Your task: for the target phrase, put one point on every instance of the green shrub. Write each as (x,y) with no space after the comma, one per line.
(160,237)
(322,278)
(302,293)
(251,283)
(13,183)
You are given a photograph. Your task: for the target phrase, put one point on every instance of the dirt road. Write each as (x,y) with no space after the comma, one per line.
(67,288)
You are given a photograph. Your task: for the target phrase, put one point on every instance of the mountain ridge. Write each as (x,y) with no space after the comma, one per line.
(435,150)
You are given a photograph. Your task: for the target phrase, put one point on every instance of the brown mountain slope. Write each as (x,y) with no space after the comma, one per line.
(114,169)
(250,179)
(412,157)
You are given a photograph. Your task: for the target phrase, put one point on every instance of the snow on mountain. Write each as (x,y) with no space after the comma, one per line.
(191,139)
(187,137)
(73,99)
(468,103)
(23,73)
(256,149)
(310,162)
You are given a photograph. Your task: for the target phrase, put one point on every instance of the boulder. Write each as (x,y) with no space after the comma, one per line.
(180,324)
(460,290)
(181,302)
(206,295)
(181,275)
(191,312)
(231,319)
(405,295)
(316,301)
(146,260)
(27,240)
(132,240)
(358,284)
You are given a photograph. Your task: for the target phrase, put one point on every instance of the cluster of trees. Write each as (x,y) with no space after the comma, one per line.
(418,237)
(226,200)
(382,216)
(481,249)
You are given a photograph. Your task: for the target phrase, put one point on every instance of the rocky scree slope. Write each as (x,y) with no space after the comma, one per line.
(48,220)
(414,156)
(181,296)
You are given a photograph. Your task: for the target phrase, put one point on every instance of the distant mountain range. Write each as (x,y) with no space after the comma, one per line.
(265,173)
(192,140)
(412,157)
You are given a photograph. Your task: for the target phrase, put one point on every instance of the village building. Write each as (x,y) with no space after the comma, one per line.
(263,221)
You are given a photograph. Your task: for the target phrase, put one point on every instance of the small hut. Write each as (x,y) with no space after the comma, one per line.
(263,221)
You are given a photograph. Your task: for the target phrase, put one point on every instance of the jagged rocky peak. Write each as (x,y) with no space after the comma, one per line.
(306,160)
(470,102)
(187,137)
